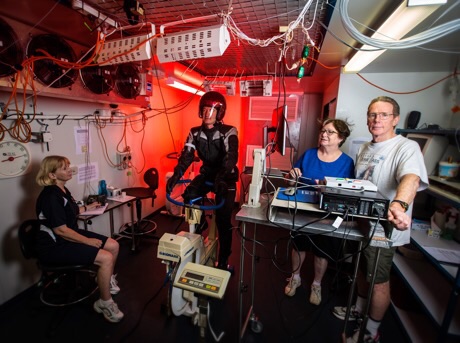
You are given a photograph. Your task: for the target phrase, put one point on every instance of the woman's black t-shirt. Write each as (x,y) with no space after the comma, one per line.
(56,208)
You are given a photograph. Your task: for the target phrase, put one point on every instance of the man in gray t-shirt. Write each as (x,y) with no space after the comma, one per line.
(395,164)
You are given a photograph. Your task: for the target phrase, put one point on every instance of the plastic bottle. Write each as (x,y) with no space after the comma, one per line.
(103,188)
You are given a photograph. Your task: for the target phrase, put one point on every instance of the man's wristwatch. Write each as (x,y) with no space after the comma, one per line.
(403,204)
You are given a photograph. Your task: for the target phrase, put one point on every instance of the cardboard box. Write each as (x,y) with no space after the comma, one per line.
(434,231)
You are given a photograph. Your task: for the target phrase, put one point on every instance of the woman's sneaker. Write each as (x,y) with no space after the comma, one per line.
(367,337)
(341,311)
(290,288)
(110,311)
(114,289)
(315,295)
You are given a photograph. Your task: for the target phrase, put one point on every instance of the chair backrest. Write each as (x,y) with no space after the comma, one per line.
(151,178)
(27,235)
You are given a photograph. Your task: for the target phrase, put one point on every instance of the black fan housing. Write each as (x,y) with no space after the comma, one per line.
(98,79)
(47,70)
(11,53)
(128,81)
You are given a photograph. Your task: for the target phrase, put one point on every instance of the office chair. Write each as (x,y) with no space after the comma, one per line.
(60,285)
(143,226)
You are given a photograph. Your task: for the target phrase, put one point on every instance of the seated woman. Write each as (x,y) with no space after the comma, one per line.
(311,168)
(60,241)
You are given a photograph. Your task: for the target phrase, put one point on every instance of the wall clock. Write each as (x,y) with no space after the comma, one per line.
(14,159)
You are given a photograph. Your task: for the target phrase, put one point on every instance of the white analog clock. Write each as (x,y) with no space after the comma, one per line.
(14,159)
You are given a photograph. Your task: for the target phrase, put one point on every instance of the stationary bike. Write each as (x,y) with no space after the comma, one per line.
(189,260)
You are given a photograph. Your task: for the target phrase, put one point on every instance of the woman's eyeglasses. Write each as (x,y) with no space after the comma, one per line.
(328,132)
(382,115)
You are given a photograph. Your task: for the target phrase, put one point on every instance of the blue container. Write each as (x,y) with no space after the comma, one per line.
(103,188)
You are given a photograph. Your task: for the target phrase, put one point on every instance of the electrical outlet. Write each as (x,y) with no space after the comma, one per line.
(74,170)
(123,160)
(47,137)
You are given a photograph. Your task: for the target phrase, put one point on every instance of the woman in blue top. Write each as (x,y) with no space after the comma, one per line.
(311,168)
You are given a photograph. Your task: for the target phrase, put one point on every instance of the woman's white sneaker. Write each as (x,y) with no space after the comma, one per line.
(110,311)
(114,289)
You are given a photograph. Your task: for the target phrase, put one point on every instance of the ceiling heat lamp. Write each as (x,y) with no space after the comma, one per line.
(192,44)
(128,49)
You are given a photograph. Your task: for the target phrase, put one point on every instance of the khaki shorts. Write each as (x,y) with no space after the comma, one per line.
(384,266)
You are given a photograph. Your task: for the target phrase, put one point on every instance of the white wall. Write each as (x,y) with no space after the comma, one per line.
(434,103)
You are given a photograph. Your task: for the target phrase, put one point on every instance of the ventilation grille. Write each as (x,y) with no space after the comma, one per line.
(193,44)
(261,108)
(223,87)
(256,88)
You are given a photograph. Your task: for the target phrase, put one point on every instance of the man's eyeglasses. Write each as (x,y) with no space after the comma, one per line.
(382,115)
(328,132)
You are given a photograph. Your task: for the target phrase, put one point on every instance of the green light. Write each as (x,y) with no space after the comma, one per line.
(300,72)
(305,51)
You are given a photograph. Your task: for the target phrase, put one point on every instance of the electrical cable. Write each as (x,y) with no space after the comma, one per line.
(408,92)
(216,338)
(410,42)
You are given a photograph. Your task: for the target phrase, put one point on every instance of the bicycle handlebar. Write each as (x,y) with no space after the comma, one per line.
(192,205)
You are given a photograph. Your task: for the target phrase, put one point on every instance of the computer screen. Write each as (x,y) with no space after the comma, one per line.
(279,121)
(432,147)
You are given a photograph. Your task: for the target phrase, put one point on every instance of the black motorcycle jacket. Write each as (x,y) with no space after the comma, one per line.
(216,147)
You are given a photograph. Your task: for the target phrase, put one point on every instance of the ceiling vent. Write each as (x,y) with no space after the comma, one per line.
(223,87)
(188,45)
(256,88)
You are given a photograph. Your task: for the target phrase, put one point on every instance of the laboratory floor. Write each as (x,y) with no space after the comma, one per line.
(144,291)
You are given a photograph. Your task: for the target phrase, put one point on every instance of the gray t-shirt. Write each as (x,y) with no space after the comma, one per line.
(384,164)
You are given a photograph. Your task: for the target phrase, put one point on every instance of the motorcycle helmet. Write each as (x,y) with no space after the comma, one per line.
(216,100)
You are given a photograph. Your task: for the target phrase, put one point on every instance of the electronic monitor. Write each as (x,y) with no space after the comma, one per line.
(279,121)
(258,171)
(433,148)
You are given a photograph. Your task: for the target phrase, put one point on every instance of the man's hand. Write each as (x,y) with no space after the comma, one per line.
(398,218)
(172,182)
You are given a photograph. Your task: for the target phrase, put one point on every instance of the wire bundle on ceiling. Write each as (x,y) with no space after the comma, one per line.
(417,40)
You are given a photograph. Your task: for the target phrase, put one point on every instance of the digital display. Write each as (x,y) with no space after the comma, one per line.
(194,276)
